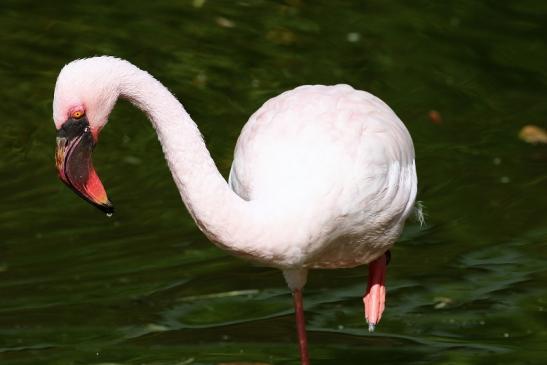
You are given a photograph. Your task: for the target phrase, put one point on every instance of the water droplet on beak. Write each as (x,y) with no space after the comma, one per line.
(109,215)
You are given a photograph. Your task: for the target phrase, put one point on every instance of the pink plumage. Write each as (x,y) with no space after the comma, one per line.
(323,176)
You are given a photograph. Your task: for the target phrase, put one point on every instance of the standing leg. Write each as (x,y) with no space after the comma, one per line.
(296,279)
(375,297)
(301,326)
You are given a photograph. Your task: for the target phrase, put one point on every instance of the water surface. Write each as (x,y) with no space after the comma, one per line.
(145,286)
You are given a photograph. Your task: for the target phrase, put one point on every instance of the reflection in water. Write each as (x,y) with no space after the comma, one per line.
(145,287)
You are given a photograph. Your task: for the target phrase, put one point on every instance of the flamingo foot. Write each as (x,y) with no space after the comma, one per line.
(375,297)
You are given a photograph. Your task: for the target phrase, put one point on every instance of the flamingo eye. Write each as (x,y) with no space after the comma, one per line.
(77,114)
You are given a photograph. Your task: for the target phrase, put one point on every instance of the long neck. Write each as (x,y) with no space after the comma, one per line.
(222,215)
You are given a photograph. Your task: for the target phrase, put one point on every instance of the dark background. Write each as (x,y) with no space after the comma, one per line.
(145,286)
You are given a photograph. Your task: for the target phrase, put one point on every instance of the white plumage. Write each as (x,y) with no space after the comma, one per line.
(324,176)
(335,166)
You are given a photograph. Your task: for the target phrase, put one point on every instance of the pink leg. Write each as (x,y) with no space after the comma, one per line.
(301,327)
(375,296)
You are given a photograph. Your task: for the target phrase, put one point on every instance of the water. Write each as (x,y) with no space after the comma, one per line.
(145,287)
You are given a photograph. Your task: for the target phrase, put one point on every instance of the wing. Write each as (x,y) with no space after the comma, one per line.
(336,160)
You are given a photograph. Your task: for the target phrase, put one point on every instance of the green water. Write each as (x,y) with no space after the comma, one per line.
(145,286)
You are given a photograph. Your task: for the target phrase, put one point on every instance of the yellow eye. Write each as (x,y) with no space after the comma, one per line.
(77,114)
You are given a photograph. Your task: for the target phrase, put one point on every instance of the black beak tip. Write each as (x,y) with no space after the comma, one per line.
(107,208)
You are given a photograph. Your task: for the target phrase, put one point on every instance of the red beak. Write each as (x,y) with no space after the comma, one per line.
(75,143)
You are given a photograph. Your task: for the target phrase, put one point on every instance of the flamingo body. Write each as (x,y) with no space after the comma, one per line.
(336,166)
(323,176)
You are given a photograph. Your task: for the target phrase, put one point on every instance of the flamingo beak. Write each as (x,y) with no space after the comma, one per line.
(75,142)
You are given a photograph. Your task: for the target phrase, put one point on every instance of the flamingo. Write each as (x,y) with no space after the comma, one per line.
(322,177)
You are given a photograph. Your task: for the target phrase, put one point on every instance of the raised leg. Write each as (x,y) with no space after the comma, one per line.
(375,297)
(301,326)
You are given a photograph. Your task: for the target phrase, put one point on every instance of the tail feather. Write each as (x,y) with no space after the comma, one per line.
(419,213)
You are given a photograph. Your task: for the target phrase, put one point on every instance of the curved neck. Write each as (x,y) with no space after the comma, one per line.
(219,212)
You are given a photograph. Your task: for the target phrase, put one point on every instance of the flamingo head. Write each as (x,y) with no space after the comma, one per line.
(85,94)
